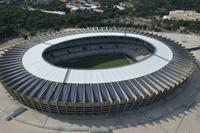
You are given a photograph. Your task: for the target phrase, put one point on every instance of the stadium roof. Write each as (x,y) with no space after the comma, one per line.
(34,63)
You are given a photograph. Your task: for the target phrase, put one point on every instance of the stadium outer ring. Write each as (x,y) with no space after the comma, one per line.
(40,85)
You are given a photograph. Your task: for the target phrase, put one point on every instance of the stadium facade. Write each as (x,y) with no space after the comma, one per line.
(32,74)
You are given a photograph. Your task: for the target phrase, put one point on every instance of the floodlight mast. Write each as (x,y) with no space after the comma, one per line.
(124,33)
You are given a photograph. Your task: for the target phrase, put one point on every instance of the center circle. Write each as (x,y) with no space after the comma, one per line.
(98,52)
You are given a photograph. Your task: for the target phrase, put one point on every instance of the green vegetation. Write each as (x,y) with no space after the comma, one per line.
(56,5)
(17,21)
(157,7)
(188,26)
(145,8)
(98,61)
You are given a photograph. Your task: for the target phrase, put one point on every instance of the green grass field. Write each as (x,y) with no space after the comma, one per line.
(99,61)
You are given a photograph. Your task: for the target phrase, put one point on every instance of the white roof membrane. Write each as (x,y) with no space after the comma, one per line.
(34,63)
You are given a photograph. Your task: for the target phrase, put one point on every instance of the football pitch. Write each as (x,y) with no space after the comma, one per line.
(99,61)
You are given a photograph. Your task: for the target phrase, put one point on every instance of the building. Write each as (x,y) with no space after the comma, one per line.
(183,15)
(83,5)
(31,71)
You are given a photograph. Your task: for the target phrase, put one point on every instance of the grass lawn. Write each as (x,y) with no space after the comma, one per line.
(99,61)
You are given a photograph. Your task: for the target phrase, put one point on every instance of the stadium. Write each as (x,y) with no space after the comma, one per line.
(94,70)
